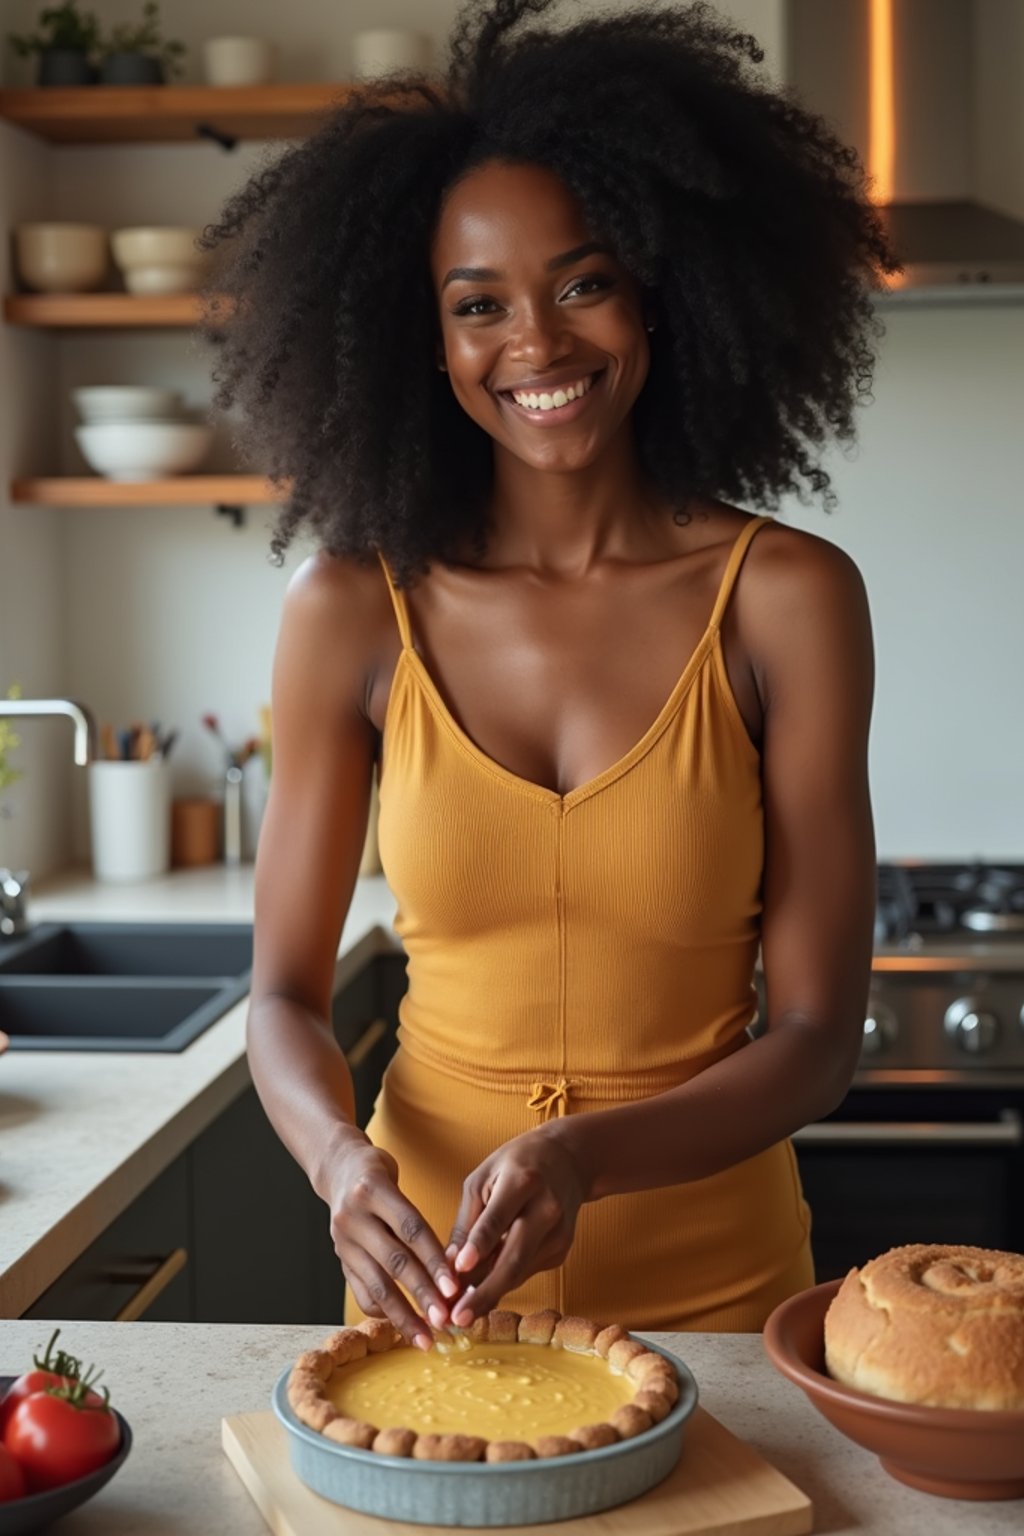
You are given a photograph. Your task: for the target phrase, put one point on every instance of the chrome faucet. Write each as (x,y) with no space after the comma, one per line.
(14,884)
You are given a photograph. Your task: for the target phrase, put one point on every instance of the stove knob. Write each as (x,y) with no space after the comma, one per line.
(972,1028)
(879,1030)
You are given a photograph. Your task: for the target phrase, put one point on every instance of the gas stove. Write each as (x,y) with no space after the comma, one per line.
(947,990)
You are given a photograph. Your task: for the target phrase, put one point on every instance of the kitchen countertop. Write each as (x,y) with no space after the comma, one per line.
(175,1381)
(83,1132)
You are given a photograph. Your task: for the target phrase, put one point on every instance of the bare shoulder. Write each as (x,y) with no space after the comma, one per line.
(786,565)
(801,600)
(336,590)
(335,624)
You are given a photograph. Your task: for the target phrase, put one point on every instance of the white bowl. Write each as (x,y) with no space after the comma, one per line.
(61,258)
(166,278)
(126,402)
(143,450)
(147,245)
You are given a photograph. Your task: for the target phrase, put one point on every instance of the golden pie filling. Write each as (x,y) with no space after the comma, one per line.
(501,1391)
(511,1388)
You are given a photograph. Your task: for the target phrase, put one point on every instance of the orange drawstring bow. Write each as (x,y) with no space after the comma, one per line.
(552,1098)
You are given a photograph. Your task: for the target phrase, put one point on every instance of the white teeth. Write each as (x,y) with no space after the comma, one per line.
(555,400)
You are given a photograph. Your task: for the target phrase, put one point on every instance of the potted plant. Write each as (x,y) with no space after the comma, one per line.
(138,55)
(64,42)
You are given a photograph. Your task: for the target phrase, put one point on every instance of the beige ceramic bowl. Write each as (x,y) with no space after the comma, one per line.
(126,402)
(960,1453)
(61,258)
(159,258)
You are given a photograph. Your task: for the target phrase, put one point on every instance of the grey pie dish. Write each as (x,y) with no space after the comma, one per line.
(473,1493)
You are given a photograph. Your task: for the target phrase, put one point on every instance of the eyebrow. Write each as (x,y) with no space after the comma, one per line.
(490,274)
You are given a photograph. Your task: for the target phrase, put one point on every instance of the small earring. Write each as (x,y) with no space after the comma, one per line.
(650,327)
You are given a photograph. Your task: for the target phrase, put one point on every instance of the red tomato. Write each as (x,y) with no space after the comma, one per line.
(51,1371)
(12,1478)
(55,1440)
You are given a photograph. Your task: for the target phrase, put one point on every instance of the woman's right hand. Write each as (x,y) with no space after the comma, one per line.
(381,1238)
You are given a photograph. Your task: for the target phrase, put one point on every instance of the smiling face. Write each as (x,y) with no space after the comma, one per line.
(542,327)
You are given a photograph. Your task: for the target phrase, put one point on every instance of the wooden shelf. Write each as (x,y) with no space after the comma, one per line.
(83,310)
(148,114)
(178,490)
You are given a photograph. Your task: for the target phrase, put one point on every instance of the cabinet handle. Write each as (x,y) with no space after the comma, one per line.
(150,1289)
(1007,1131)
(358,1053)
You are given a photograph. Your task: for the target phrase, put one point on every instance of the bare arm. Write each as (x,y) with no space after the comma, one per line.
(807,626)
(308,860)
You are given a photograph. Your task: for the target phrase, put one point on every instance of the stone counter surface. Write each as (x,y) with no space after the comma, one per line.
(174,1382)
(83,1132)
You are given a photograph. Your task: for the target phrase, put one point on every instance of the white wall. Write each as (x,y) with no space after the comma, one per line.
(171,612)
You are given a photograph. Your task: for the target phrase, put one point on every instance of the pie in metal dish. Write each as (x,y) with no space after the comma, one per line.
(510,1388)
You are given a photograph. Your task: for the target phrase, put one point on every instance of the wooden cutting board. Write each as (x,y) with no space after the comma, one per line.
(721,1487)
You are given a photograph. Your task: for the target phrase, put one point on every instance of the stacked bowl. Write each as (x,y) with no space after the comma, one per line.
(159,258)
(133,432)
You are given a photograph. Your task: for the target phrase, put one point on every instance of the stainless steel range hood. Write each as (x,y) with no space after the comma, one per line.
(931,94)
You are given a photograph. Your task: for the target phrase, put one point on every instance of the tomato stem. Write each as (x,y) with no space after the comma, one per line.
(63,1365)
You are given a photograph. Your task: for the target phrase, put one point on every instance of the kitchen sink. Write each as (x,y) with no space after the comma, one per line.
(121,986)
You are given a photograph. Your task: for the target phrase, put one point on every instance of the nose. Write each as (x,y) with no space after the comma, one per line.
(540,337)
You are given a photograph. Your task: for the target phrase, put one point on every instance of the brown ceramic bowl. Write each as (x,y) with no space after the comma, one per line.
(960,1453)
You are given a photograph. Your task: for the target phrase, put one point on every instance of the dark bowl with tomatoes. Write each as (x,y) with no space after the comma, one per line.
(35,1511)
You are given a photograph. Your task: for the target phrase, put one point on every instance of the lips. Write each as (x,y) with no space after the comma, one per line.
(560,414)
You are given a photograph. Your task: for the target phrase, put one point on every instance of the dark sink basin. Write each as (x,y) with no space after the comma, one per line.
(130,949)
(121,986)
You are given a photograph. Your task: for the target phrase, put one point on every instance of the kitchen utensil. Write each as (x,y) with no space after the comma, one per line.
(380,49)
(37,1511)
(488,1493)
(143,450)
(195,832)
(157,258)
(719,1487)
(957,1453)
(61,258)
(130,819)
(126,402)
(238,60)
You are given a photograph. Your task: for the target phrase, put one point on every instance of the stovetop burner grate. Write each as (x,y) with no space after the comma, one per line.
(942,900)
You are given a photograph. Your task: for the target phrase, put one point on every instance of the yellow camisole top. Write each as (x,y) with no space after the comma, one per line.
(570,952)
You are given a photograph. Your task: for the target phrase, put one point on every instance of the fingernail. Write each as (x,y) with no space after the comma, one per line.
(451,1251)
(423,1341)
(437,1317)
(468,1258)
(447,1285)
(463,1314)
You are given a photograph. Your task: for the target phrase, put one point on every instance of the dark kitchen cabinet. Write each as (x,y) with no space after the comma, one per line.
(231,1231)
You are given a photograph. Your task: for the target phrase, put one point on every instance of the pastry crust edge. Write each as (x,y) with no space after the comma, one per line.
(655,1380)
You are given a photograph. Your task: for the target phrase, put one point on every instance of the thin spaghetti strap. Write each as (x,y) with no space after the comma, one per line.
(398,603)
(732,569)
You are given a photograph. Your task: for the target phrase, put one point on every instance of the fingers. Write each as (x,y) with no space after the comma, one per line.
(378,1297)
(384,1243)
(536,1240)
(486,1215)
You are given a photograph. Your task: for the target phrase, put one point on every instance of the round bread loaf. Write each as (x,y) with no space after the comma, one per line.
(932,1323)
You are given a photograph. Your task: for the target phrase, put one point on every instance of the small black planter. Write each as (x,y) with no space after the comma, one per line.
(131,69)
(64,66)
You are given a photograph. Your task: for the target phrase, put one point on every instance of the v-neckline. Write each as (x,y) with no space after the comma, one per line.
(590,786)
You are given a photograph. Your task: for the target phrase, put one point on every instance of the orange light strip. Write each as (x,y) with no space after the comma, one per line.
(882,103)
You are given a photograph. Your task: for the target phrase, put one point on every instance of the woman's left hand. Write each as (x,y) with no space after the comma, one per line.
(517,1217)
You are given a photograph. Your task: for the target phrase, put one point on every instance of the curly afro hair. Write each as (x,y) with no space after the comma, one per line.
(745,218)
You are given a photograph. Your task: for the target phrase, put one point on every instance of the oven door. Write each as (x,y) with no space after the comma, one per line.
(913,1165)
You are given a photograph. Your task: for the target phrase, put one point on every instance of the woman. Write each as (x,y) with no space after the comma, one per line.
(515,342)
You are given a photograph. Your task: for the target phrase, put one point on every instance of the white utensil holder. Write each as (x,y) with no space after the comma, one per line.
(130,819)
